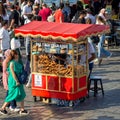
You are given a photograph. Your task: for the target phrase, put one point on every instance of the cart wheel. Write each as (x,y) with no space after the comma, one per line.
(82,99)
(35,98)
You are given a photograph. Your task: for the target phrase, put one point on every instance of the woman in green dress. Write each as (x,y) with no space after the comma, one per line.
(16,90)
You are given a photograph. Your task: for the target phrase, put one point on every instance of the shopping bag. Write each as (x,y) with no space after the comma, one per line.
(22,78)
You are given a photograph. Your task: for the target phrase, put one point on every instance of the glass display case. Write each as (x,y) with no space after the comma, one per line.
(59,59)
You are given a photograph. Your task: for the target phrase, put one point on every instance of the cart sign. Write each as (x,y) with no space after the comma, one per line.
(38,80)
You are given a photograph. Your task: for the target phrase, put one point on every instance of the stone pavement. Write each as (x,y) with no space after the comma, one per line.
(94,108)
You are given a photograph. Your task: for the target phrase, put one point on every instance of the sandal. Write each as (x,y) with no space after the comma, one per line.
(23,112)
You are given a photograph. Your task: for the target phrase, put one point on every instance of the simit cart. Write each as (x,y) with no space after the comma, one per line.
(59,64)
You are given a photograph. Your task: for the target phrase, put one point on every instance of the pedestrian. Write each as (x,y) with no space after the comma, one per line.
(90,16)
(14,17)
(4,13)
(4,37)
(81,18)
(12,106)
(101,50)
(16,90)
(59,16)
(97,6)
(44,12)
(77,11)
(67,12)
(53,7)
(102,13)
(28,53)
(27,10)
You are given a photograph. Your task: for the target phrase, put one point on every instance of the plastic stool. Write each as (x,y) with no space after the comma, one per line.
(95,88)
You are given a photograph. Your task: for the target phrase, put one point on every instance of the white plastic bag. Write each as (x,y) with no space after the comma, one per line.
(15,43)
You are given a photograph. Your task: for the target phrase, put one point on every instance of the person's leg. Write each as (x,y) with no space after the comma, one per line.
(27,45)
(106,53)
(23,111)
(13,104)
(99,53)
(29,81)
(5,105)
(3,108)
(22,105)
(6,96)
(27,66)
(100,46)
(101,50)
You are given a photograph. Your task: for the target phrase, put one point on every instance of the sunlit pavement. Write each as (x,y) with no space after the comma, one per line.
(93,108)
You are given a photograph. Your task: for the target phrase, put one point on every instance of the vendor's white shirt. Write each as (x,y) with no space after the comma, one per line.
(91,50)
(82,61)
(5,39)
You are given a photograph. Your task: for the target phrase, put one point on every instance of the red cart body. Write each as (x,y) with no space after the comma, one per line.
(52,84)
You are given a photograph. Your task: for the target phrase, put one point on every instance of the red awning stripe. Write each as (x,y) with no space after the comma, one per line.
(63,31)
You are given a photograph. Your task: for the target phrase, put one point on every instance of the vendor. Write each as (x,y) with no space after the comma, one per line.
(91,56)
(61,58)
